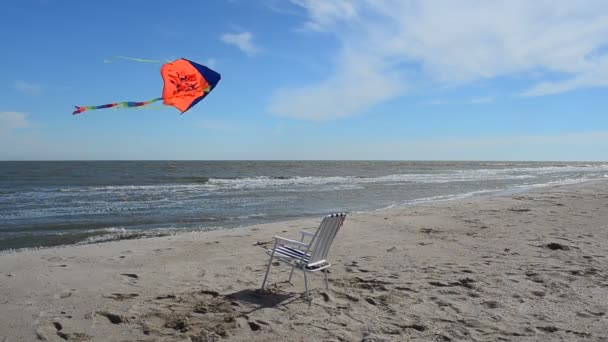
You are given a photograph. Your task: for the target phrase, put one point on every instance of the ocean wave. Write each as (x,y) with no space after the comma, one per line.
(248,216)
(558,168)
(444,177)
(117,234)
(193,179)
(269,182)
(441,198)
(201,186)
(508,189)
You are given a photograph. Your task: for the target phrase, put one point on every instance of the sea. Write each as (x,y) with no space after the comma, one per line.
(56,203)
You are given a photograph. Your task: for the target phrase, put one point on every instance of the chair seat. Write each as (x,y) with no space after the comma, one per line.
(291,253)
(295,254)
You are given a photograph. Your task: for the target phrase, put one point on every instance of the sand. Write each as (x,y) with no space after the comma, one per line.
(529,266)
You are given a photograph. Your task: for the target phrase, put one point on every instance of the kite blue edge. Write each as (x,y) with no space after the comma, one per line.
(211,76)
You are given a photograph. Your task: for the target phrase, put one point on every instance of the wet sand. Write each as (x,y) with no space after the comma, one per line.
(530,266)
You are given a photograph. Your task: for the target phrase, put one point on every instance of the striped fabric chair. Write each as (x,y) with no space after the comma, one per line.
(311,256)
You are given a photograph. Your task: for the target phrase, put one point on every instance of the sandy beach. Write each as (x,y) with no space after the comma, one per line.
(530,266)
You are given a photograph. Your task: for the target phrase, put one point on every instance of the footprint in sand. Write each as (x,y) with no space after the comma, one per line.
(114,318)
(490,304)
(46,332)
(158,250)
(55,259)
(129,278)
(363,284)
(130,275)
(64,294)
(121,296)
(464,282)
(589,313)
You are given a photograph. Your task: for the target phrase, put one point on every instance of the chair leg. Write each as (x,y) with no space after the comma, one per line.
(267,271)
(326,281)
(269,264)
(306,288)
(291,274)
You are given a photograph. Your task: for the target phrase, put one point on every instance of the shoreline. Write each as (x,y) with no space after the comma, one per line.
(527,266)
(160,232)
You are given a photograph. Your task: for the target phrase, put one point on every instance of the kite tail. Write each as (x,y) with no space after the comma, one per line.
(80,110)
(140,60)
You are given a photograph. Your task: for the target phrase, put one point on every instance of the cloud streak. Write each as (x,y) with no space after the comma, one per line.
(555,46)
(243,41)
(12,120)
(27,87)
(358,84)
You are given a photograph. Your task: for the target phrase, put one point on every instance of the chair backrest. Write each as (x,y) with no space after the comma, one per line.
(323,238)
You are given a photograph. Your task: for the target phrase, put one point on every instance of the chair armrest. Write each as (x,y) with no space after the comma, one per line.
(305,233)
(289,241)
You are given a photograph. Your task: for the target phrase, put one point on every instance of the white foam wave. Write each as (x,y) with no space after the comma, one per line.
(301,183)
(429,178)
(355,182)
(242,217)
(441,198)
(119,233)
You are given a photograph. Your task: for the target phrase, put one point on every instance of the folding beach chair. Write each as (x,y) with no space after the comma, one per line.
(309,257)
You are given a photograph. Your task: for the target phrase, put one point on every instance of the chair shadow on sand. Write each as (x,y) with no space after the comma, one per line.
(262,299)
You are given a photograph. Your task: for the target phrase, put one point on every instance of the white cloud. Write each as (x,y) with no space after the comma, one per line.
(12,120)
(357,84)
(280,6)
(26,87)
(595,77)
(452,43)
(243,41)
(324,14)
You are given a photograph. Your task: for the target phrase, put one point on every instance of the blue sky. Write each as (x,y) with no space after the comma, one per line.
(304,79)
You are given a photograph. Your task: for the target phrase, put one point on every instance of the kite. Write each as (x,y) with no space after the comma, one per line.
(186,83)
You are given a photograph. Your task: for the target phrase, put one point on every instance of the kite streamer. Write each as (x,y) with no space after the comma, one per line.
(186,83)
(140,60)
(80,110)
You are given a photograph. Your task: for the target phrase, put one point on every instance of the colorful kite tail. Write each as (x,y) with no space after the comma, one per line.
(83,109)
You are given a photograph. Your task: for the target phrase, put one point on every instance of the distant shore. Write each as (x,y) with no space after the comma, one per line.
(529,266)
